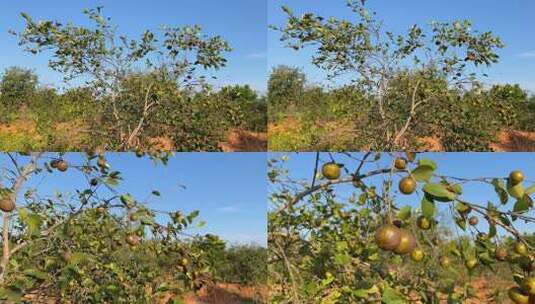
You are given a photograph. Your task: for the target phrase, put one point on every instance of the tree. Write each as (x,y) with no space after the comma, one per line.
(107,59)
(370,247)
(285,87)
(17,86)
(374,57)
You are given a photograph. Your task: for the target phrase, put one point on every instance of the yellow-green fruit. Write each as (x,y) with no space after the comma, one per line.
(407,185)
(501,254)
(529,285)
(400,164)
(518,296)
(101,210)
(7,205)
(423,223)
(62,165)
(517,191)
(331,171)
(521,248)
(417,255)
(184,262)
(407,242)
(445,262)
(388,237)
(471,263)
(516,177)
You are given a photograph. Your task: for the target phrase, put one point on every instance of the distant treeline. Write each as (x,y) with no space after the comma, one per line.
(307,116)
(38,117)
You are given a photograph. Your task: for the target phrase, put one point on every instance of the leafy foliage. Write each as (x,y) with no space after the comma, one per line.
(322,243)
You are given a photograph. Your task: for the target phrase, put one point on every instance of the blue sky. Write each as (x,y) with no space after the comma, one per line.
(229,189)
(241,22)
(511,20)
(465,165)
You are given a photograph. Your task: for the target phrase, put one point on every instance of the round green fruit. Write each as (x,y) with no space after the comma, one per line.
(417,255)
(445,262)
(521,249)
(471,263)
(423,223)
(529,285)
(516,177)
(518,296)
(331,171)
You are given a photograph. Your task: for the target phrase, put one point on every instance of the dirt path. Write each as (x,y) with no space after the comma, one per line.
(228,294)
(244,141)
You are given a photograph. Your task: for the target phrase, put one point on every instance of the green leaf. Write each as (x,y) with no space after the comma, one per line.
(499,187)
(391,296)
(424,171)
(342,259)
(492,231)
(404,213)
(530,189)
(428,207)
(523,205)
(10,294)
(37,274)
(461,223)
(439,192)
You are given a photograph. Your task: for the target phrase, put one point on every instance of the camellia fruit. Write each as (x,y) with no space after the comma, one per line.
(407,185)
(473,220)
(521,248)
(471,263)
(400,163)
(62,165)
(388,237)
(133,239)
(423,223)
(7,205)
(331,171)
(411,156)
(529,285)
(417,255)
(516,177)
(501,254)
(518,296)
(445,262)
(407,242)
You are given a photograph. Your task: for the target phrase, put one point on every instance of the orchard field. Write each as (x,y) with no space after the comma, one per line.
(401,228)
(377,87)
(150,93)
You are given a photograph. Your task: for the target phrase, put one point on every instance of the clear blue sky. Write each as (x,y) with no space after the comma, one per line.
(465,165)
(241,22)
(229,189)
(511,20)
